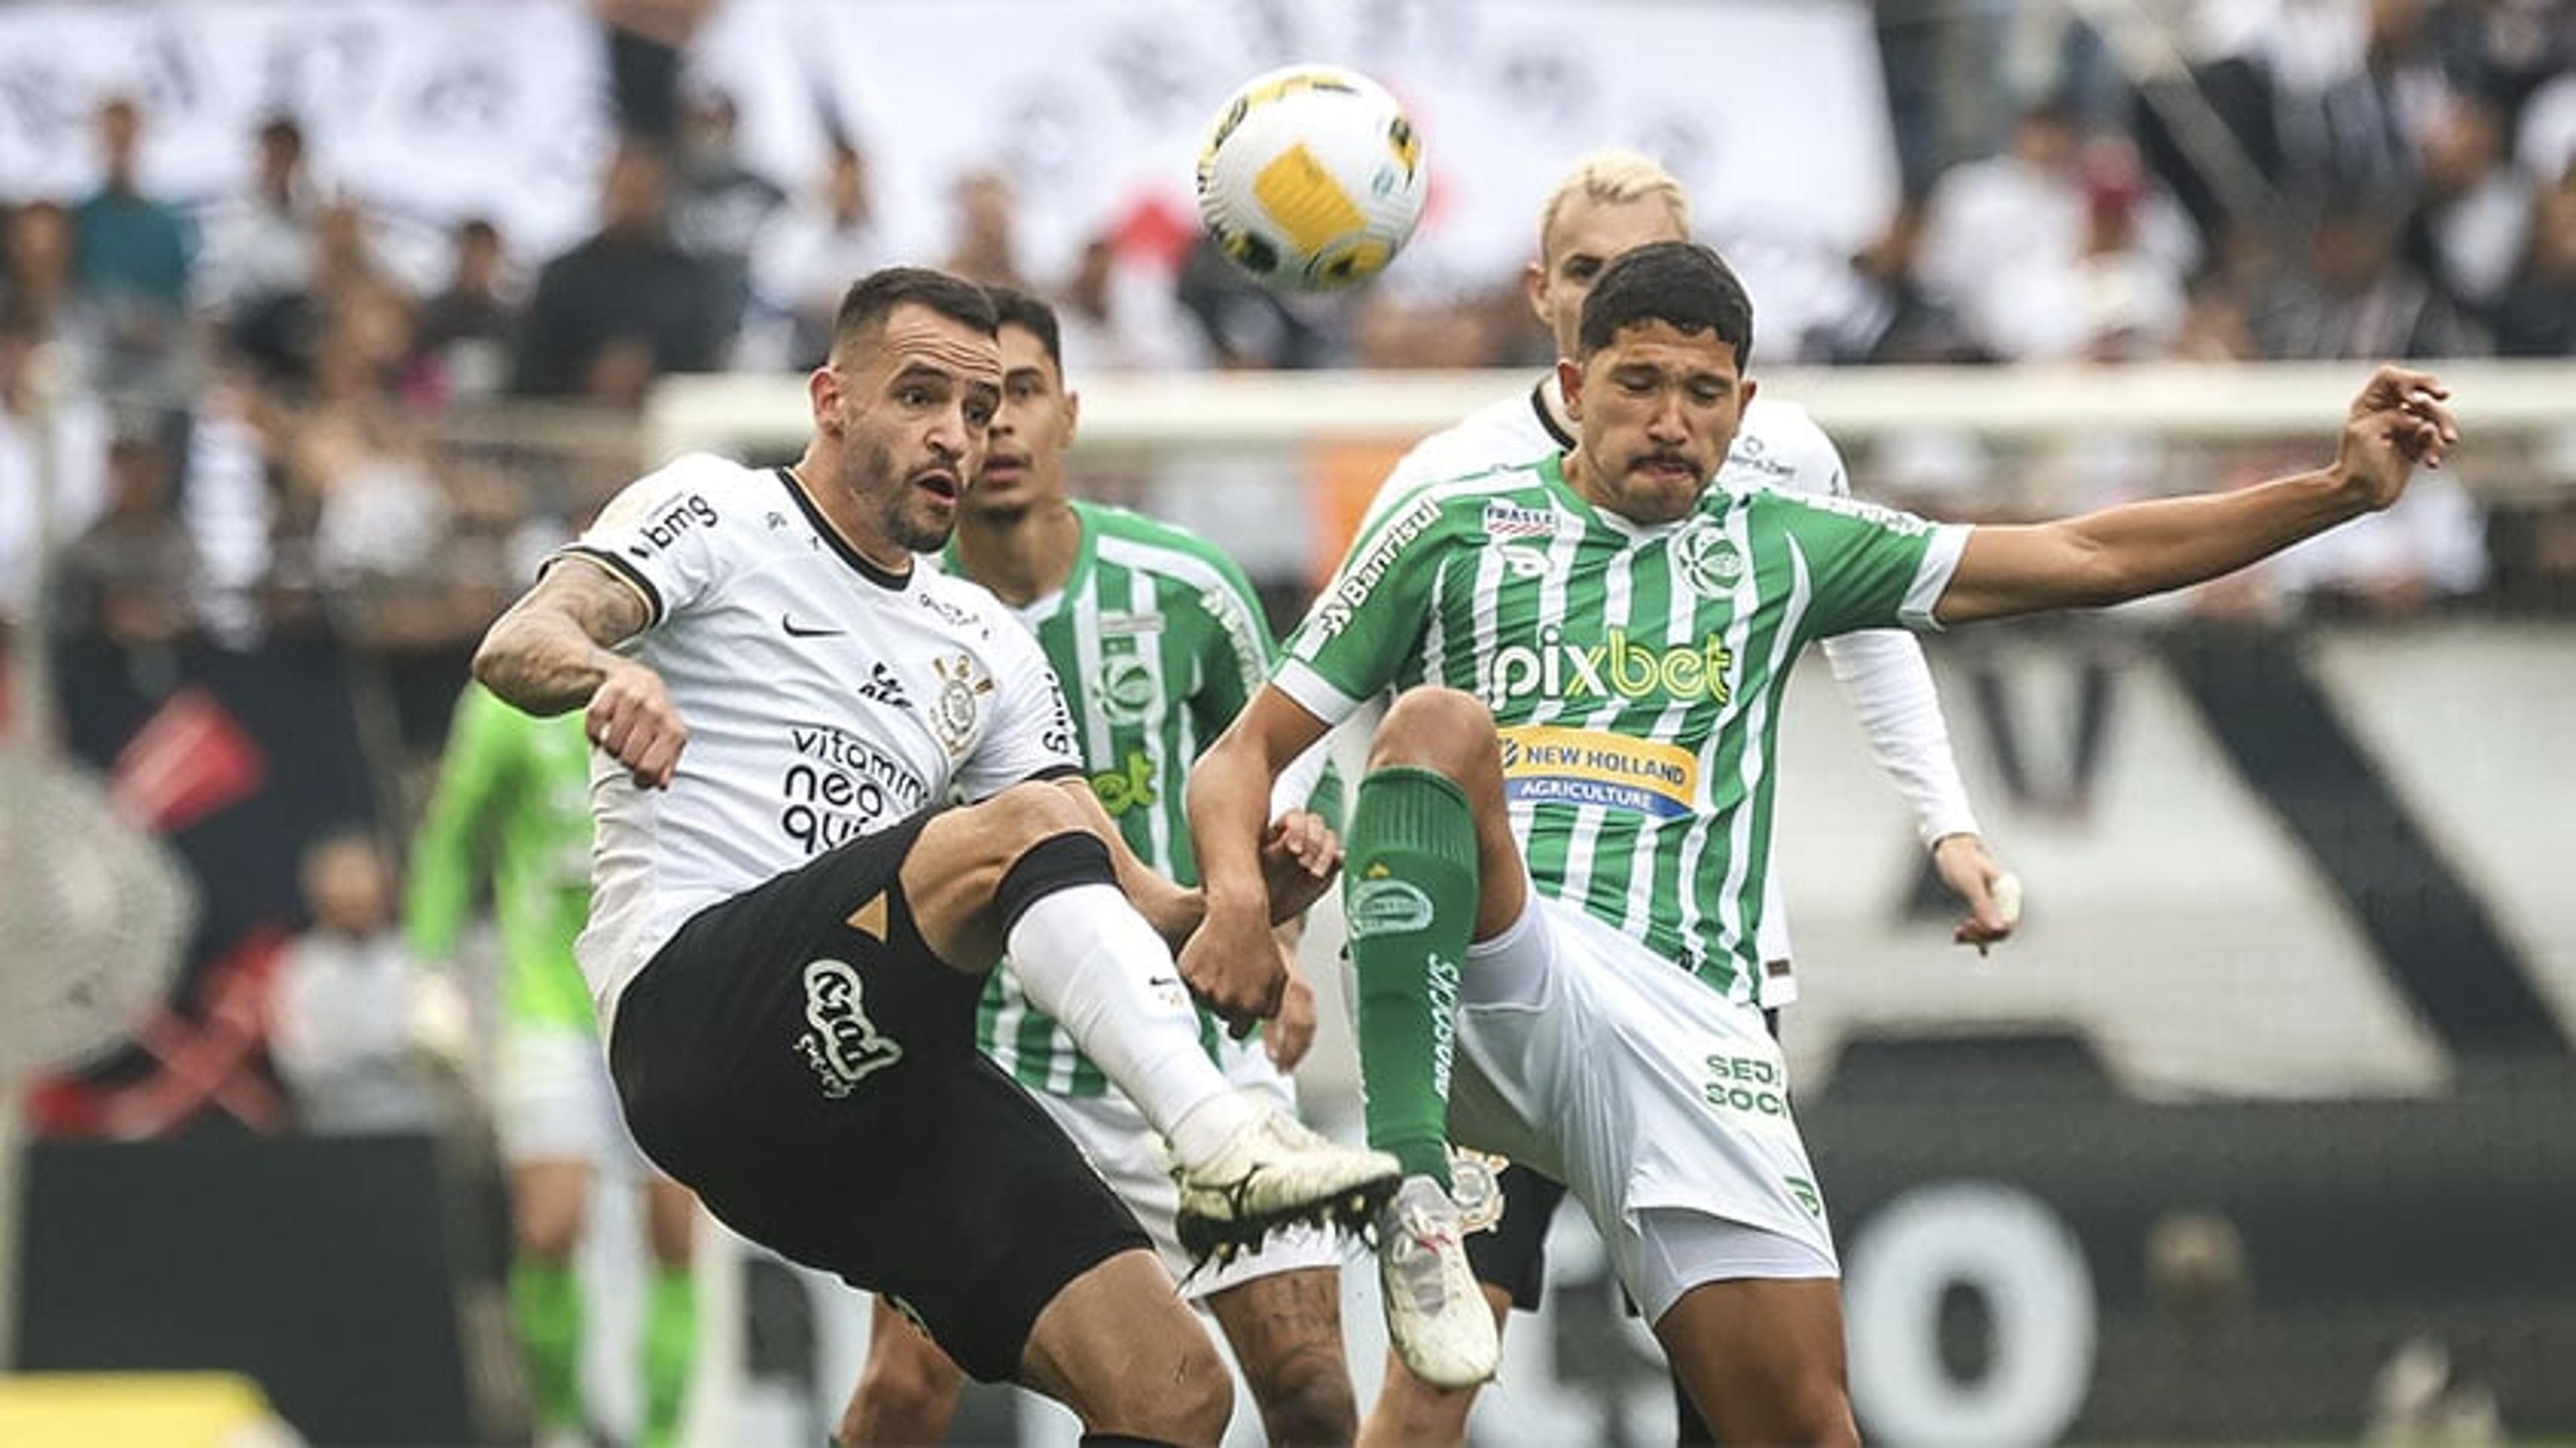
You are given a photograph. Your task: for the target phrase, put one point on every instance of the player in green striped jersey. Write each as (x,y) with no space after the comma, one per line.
(1157,641)
(514,791)
(1556,857)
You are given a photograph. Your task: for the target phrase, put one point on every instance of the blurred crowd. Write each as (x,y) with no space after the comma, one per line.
(277,409)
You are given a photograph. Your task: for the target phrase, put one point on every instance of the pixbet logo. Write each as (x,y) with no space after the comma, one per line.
(1618,666)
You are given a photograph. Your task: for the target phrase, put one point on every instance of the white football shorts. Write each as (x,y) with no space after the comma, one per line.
(552,1099)
(1662,1106)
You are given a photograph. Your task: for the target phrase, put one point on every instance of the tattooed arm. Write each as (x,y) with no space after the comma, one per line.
(553,651)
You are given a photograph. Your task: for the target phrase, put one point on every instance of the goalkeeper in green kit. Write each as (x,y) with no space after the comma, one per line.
(514,793)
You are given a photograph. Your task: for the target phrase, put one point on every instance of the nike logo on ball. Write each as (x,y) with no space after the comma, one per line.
(797,630)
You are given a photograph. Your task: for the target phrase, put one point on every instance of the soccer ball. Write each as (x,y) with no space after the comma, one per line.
(1311,178)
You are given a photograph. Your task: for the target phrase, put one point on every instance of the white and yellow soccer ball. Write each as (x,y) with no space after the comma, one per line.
(1311,178)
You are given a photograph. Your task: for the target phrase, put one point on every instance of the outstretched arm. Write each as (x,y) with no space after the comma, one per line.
(553,650)
(1883,673)
(1232,962)
(2397,423)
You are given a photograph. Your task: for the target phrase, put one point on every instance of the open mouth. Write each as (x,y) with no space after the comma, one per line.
(941,485)
(1668,470)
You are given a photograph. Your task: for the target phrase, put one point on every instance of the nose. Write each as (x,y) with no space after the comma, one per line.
(953,434)
(1665,423)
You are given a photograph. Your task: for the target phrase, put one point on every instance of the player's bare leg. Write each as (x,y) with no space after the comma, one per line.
(1410,1412)
(1120,1349)
(1763,1359)
(907,1392)
(1286,1331)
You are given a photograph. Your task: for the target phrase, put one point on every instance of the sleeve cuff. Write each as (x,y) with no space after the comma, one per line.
(615,567)
(1932,577)
(1299,681)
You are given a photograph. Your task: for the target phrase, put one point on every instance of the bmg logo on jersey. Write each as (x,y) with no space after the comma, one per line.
(1617,667)
(842,1045)
(667,527)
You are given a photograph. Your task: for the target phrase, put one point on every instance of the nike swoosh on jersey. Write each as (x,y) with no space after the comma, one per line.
(797,630)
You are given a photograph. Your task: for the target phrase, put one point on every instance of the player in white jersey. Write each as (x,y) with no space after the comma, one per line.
(1609,203)
(1557,854)
(791,924)
(1157,640)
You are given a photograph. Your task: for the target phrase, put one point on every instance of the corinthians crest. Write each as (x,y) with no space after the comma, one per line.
(1705,559)
(952,713)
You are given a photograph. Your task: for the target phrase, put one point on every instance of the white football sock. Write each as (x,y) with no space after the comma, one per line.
(1088,959)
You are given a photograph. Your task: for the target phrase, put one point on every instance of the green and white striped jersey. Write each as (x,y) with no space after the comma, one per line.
(1158,642)
(1635,672)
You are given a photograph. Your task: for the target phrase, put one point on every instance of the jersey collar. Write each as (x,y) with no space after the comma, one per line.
(893,582)
(1547,401)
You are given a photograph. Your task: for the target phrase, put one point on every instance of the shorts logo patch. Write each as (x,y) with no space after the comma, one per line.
(1386,907)
(844,1046)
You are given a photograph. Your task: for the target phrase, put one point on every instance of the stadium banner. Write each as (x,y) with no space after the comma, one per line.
(1094,110)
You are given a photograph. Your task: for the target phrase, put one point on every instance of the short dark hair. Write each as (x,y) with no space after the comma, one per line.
(1015,308)
(1682,283)
(872,298)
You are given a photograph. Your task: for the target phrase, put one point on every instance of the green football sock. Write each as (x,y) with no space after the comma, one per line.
(1409,891)
(545,1303)
(670,1348)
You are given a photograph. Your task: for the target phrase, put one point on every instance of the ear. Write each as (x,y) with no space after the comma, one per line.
(1072,416)
(823,395)
(1534,287)
(1569,382)
(1744,390)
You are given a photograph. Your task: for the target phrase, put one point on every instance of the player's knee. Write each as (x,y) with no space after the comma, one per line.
(1199,1400)
(1448,730)
(546,1232)
(1307,1400)
(1023,816)
(906,1392)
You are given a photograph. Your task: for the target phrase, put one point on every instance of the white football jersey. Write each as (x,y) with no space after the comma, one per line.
(1778,445)
(824,699)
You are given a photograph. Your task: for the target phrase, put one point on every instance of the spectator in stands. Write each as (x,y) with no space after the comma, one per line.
(36,280)
(2316,97)
(627,300)
(79,452)
(805,259)
(2544,143)
(464,332)
(2350,296)
(2015,246)
(719,205)
(133,258)
(131,577)
(341,1026)
(986,246)
(2537,315)
(260,244)
(2473,214)
(1889,318)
